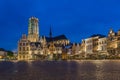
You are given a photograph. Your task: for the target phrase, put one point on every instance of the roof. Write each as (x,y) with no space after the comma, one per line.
(60,37)
(35,43)
(1,49)
(100,35)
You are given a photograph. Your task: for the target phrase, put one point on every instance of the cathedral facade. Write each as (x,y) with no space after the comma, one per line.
(34,46)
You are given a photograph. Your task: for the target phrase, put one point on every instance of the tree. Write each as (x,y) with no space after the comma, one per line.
(10,54)
(1,49)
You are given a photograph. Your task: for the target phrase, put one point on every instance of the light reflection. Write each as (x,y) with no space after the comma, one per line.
(99,69)
(66,70)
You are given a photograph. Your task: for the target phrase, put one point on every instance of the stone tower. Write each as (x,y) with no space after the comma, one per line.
(33,29)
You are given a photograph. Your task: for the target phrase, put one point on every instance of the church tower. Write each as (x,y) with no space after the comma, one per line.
(33,29)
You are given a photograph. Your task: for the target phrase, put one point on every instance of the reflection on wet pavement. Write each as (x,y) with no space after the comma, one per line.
(60,70)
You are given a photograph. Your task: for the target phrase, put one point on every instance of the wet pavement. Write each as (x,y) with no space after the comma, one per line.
(60,70)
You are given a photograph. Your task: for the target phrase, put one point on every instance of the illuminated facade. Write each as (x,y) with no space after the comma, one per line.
(33,46)
(113,43)
(76,49)
(82,49)
(88,46)
(102,46)
(95,45)
(3,54)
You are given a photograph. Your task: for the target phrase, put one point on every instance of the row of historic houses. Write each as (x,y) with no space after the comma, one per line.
(36,47)
(99,46)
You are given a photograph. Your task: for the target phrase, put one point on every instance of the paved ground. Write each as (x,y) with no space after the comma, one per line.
(61,70)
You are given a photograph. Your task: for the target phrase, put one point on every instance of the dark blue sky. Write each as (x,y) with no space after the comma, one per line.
(77,19)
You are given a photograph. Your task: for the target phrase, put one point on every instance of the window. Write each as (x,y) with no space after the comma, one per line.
(23,56)
(27,48)
(20,44)
(19,48)
(23,44)
(26,44)
(19,56)
(23,48)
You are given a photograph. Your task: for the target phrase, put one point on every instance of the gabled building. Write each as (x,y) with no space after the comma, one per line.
(94,45)
(113,43)
(102,46)
(33,46)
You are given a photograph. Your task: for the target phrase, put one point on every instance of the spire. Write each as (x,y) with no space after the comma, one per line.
(50,32)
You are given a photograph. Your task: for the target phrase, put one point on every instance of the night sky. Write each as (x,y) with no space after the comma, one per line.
(77,19)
